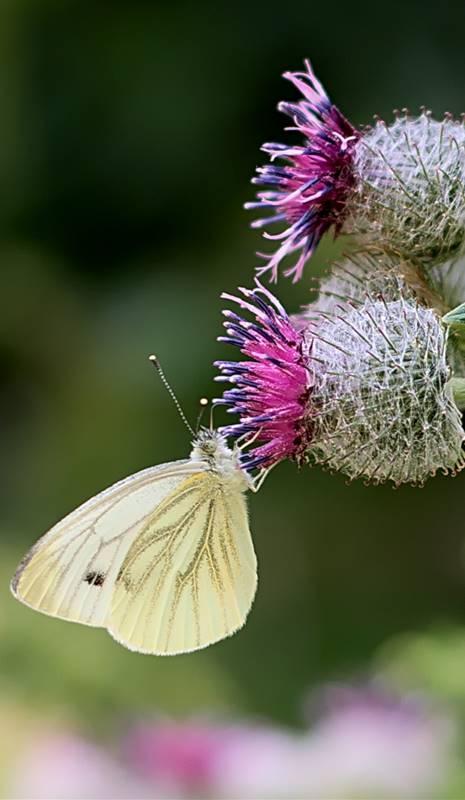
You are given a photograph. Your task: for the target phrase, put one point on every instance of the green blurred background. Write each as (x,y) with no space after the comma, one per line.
(129,132)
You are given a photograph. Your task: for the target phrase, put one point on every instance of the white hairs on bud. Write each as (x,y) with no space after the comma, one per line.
(373,272)
(410,194)
(384,412)
(365,273)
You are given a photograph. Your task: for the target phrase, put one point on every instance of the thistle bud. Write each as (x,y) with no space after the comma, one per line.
(385,409)
(376,273)
(409,195)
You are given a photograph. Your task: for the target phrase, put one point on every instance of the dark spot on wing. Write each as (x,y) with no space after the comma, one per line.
(95,578)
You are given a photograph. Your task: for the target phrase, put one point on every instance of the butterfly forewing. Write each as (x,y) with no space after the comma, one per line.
(71,571)
(189,577)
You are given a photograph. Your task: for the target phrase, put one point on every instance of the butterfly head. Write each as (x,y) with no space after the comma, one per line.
(209,444)
(210,447)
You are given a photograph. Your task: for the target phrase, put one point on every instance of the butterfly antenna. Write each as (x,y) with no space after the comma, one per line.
(154,360)
(203,404)
(212,409)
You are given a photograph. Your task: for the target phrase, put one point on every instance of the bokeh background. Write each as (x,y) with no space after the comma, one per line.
(129,132)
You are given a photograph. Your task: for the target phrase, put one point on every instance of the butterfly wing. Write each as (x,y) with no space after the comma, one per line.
(189,577)
(71,571)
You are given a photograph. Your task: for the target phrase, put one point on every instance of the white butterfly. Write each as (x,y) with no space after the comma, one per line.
(163,560)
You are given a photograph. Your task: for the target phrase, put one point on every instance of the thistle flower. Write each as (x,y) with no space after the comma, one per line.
(364,390)
(385,408)
(309,192)
(409,187)
(272,388)
(399,186)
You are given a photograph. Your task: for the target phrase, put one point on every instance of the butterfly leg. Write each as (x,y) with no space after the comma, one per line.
(257,482)
(243,441)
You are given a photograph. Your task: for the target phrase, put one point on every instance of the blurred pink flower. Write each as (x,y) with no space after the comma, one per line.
(265,762)
(365,743)
(206,759)
(63,766)
(369,743)
(180,757)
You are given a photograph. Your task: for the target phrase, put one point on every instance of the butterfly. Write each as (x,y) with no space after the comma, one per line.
(163,559)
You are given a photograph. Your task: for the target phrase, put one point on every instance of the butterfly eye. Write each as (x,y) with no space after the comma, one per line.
(209,448)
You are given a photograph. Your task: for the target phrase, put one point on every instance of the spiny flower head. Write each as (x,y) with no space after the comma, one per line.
(410,187)
(273,385)
(308,193)
(385,409)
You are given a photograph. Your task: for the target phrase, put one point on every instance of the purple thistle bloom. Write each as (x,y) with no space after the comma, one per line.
(272,388)
(310,191)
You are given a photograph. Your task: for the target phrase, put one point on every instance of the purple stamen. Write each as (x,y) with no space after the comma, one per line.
(272,387)
(315,181)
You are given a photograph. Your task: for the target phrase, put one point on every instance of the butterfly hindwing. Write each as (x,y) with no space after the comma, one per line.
(189,577)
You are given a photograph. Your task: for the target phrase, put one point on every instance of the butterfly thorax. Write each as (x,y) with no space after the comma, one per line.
(210,446)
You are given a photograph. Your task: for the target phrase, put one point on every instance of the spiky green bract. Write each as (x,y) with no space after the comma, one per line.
(457,390)
(448,280)
(410,188)
(385,412)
